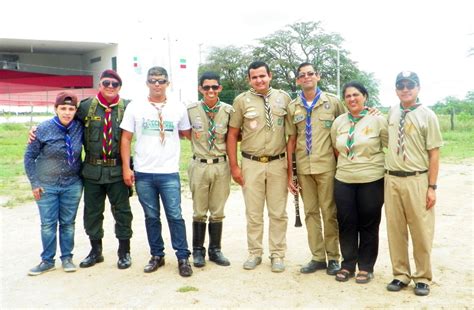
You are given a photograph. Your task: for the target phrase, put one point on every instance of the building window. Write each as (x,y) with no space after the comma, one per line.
(114,63)
(94,60)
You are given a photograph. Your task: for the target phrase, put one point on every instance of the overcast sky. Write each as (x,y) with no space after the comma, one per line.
(384,37)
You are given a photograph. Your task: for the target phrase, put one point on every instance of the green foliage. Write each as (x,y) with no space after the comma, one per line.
(185,289)
(459,106)
(284,50)
(13,183)
(458,143)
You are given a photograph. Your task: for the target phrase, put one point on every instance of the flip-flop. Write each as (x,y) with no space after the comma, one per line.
(344,275)
(363,278)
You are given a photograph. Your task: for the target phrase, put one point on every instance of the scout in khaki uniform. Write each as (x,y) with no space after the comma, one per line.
(310,117)
(260,117)
(102,169)
(209,174)
(412,164)
(359,139)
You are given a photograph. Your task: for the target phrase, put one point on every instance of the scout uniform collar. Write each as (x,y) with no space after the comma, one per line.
(266,104)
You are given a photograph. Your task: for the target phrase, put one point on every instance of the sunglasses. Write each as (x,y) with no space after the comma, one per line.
(409,85)
(308,74)
(153,81)
(208,87)
(107,83)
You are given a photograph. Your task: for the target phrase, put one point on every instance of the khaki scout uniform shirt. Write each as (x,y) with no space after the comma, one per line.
(199,128)
(249,116)
(321,159)
(422,133)
(209,183)
(370,136)
(405,197)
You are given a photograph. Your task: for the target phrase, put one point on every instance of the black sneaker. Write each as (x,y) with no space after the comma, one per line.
(396,285)
(422,289)
(333,267)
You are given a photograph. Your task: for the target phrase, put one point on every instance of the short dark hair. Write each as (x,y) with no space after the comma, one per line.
(357,85)
(155,71)
(209,75)
(305,64)
(257,64)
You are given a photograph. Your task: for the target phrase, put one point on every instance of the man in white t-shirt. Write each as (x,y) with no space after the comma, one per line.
(157,125)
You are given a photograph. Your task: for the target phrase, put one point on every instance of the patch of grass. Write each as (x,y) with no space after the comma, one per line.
(185,289)
(458,147)
(458,143)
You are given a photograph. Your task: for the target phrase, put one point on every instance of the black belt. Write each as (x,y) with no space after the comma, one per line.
(110,162)
(404,174)
(263,159)
(219,159)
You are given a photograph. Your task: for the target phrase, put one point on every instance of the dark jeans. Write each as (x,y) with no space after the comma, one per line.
(150,188)
(94,205)
(359,208)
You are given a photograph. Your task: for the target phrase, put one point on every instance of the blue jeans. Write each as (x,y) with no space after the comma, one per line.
(150,188)
(58,204)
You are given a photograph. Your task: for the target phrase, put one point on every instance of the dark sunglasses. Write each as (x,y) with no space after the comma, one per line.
(208,87)
(107,83)
(409,85)
(304,74)
(153,81)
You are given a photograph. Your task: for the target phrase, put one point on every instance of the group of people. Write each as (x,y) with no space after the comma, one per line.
(350,161)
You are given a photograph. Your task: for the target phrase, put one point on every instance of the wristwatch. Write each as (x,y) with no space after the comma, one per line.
(433,186)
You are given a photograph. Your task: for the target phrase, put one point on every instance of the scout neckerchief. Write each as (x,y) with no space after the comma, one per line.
(309,109)
(159,107)
(401,150)
(107,130)
(67,139)
(211,112)
(266,104)
(350,137)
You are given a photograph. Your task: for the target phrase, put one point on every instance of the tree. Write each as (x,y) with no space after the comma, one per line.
(231,63)
(284,50)
(302,42)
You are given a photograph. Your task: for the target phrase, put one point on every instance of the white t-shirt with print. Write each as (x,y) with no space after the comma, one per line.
(151,156)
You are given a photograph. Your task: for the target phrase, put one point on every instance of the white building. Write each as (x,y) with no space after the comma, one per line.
(67,54)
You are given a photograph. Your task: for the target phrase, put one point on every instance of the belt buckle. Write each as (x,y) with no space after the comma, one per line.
(263,159)
(210,161)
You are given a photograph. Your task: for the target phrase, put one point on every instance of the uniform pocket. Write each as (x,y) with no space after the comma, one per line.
(326,120)
(95,131)
(91,172)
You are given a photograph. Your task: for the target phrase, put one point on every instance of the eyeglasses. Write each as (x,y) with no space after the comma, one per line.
(107,83)
(409,85)
(153,81)
(308,74)
(208,87)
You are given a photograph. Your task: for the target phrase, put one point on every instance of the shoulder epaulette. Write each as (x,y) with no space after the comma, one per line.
(192,105)
(227,107)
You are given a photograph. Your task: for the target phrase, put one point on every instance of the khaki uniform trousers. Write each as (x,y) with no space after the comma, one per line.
(266,182)
(210,188)
(405,207)
(317,191)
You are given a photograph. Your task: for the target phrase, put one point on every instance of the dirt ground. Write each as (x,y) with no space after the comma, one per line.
(104,286)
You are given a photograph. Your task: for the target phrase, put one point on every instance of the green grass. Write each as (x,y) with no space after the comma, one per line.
(13,182)
(458,147)
(458,143)
(185,289)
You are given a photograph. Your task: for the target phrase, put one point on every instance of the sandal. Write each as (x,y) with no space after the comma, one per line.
(365,277)
(344,275)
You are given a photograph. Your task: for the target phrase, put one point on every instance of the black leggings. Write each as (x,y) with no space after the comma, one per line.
(359,208)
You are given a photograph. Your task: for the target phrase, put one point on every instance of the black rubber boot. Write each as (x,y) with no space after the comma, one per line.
(199,251)
(215,254)
(95,255)
(123,253)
